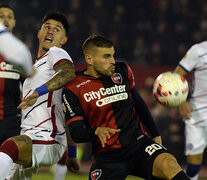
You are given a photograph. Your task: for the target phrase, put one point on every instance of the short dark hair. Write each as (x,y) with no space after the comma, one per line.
(58,16)
(4,5)
(97,41)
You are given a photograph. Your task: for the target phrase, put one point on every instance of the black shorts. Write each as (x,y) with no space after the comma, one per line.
(118,164)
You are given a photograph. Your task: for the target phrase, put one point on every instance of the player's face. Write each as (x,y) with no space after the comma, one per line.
(103,62)
(7,18)
(52,33)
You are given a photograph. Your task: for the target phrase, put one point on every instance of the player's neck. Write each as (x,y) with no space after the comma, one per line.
(92,73)
(41,51)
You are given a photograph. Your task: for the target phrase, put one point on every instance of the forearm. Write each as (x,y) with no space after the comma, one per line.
(80,133)
(69,138)
(62,76)
(144,113)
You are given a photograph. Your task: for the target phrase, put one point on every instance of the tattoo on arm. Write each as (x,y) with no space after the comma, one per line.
(65,72)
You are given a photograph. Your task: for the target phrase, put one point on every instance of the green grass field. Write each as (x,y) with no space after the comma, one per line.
(70,176)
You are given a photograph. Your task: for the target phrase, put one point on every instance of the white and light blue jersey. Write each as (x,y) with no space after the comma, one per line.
(196,60)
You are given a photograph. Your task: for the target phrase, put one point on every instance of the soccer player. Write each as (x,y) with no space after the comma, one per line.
(194,110)
(10,116)
(43,139)
(12,49)
(102,105)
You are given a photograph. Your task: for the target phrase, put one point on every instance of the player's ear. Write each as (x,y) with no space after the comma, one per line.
(88,59)
(64,40)
(38,34)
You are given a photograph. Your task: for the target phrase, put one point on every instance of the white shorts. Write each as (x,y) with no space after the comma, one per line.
(45,152)
(196,138)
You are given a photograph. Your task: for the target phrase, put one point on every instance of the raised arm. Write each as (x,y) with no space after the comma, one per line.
(65,72)
(15,52)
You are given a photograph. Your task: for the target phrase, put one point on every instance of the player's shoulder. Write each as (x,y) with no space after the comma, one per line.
(56,52)
(55,49)
(74,84)
(120,65)
(199,47)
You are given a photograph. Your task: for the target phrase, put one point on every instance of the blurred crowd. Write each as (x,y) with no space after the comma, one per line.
(146,32)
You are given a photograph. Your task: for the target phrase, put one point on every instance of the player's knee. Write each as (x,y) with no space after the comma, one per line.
(192,170)
(167,166)
(24,149)
(10,148)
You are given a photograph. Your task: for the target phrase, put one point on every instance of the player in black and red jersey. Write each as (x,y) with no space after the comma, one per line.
(103,106)
(10,116)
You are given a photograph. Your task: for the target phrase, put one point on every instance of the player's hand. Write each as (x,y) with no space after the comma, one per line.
(73,165)
(157,139)
(103,134)
(29,100)
(185,110)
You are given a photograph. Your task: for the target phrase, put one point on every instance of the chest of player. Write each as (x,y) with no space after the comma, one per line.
(102,94)
(7,70)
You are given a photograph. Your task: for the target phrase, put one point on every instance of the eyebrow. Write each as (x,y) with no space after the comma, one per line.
(55,25)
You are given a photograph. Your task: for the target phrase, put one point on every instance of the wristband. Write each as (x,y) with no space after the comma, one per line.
(42,90)
(72,151)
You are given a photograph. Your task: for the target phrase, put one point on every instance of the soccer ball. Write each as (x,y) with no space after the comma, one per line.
(170,89)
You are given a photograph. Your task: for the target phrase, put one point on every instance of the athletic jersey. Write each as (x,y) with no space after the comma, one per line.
(15,51)
(196,60)
(10,116)
(2,27)
(46,114)
(104,102)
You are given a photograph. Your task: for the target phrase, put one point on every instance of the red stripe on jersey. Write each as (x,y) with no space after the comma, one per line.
(74,119)
(44,142)
(60,62)
(2,89)
(38,125)
(42,56)
(27,93)
(49,99)
(53,122)
(131,77)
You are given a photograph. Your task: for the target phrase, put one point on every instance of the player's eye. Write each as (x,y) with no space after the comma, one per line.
(57,29)
(107,56)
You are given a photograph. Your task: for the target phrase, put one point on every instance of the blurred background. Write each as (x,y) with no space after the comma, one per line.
(151,35)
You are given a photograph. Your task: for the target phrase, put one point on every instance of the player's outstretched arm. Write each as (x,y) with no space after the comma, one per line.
(185,108)
(15,52)
(65,72)
(72,161)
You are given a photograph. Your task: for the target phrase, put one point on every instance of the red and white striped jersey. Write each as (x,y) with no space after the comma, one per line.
(47,113)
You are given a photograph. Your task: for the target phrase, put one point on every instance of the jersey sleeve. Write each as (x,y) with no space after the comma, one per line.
(75,119)
(15,52)
(131,77)
(57,55)
(72,105)
(190,60)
